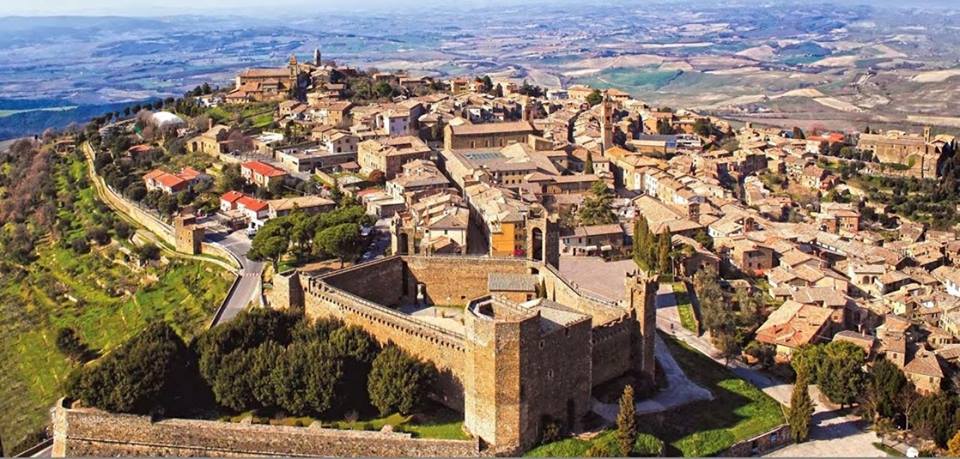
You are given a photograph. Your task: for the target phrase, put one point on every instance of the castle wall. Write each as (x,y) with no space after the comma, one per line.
(380,281)
(88,432)
(455,280)
(559,290)
(442,347)
(611,350)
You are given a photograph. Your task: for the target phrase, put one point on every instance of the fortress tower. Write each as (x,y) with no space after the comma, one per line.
(543,236)
(641,300)
(524,368)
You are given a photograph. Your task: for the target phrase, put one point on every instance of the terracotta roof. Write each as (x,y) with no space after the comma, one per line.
(793,325)
(231,196)
(263,169)
(492,128)
(924,363)
(253,204)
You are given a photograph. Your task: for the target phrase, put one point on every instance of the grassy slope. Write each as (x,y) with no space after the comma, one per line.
(738,411)
(36,306)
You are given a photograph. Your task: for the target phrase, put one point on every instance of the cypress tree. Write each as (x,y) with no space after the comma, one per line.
(626,422)
(801,409)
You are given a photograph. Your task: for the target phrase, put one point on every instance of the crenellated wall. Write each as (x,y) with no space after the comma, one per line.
(89,432)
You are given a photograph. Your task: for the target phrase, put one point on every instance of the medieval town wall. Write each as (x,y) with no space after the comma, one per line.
(90,432)
(380,281)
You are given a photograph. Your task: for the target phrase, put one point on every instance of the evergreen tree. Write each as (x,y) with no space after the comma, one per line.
(801,410)
(398,382)
(626,422)
(588,165)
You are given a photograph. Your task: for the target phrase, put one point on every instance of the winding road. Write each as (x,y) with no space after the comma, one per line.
(248,287)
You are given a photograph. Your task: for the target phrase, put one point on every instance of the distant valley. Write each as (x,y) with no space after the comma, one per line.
(789,64)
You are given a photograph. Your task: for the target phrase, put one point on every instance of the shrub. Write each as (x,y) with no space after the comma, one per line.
(80,246)
(144,374)
(398,382)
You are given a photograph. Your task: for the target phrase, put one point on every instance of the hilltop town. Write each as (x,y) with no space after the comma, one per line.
(526,253)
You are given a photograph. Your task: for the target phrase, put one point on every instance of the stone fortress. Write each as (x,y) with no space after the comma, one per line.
(516,345)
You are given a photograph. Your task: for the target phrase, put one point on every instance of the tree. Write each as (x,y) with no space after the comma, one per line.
(305,378)
(664,252)
(801,410)
(230,178)
(717,314)
(626,422)
(271,242)
(933,416)
(398,382)
(595,97)
(597,208)
(588,165)
(487,83)
(383,89)
(751,307)
(148,252)
(840,375)
(341,241)
(883,384)
(150,371)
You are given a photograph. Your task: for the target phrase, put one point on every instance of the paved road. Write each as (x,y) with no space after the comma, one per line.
(249,287)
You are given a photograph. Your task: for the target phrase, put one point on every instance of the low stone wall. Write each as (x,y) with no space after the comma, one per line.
(89,432)
(761,444)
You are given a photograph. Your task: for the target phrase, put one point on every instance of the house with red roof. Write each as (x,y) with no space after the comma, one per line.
(261,174)
(248,207)
(159,179)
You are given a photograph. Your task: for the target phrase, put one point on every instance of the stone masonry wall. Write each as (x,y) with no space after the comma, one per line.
(442,347)
(450,280)
(611,349)
(88,432)
(380,281)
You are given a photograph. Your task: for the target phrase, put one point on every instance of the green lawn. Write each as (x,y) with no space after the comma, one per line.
(738,411)
(646,445)
(98,294)
(688,318)
(440,423)
(436,422)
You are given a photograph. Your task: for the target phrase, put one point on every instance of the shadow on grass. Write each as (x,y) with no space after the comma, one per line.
(738,411)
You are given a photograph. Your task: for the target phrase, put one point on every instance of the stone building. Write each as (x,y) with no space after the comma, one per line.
(511,364)
(919,153)
(486,135)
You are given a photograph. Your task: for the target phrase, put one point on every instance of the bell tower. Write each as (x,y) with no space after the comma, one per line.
(606,122)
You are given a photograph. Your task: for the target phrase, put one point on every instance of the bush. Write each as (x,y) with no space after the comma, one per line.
(147,373)
(80,246)
(122,229)
(148,251)
(398,382)
(647,445)
(99,235)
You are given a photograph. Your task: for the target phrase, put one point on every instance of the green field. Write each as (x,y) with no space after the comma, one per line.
(688,317)
(97,293)
(629,78)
